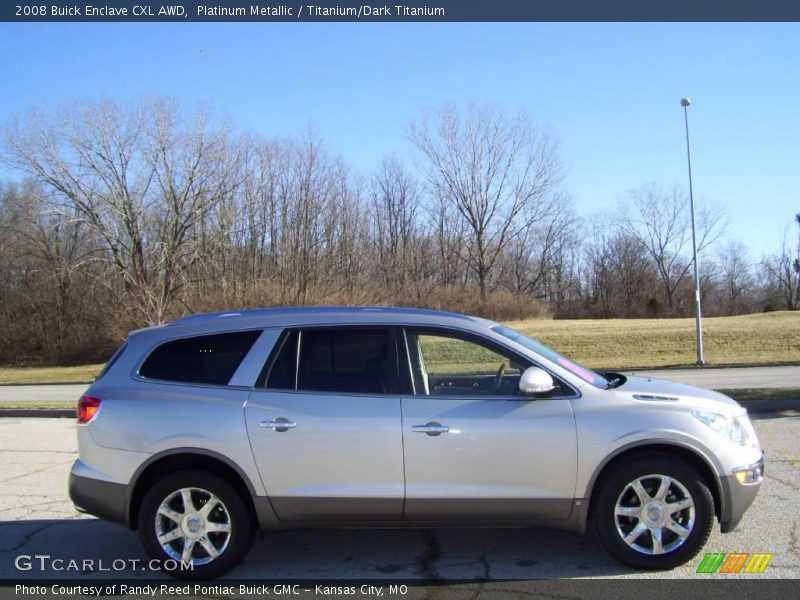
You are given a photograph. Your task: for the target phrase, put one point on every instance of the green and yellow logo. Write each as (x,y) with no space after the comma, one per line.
(734,562)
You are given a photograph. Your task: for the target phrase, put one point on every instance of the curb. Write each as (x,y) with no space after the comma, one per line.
(33,412)
(712,367)
(760,407)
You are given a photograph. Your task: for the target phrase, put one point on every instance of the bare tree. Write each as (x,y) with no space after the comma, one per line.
(57,246)
(602,271)
(735,278)
(492,169)
(394,203)
(451,248)
(619,269)
(49,267)
(259,206)
(783,274)
(796,261)
(542,249)
(661,221)
(307,193)
(153,212)
(139,176)
(635,276)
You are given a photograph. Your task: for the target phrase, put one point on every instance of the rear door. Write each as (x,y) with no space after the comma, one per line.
(475,447)
(325,426)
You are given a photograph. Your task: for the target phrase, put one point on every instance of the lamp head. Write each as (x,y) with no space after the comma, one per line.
(686,102)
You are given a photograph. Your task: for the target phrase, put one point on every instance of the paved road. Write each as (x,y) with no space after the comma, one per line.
(738,377)
(36,517)
(41,393)
(731,378)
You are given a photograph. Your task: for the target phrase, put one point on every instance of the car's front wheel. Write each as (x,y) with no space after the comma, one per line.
(654,512)
(196,524)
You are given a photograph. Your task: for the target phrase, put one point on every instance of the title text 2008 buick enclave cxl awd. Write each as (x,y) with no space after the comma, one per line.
(202,431)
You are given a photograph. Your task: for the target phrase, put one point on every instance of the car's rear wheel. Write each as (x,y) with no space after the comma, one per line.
(654,512)
(196,524)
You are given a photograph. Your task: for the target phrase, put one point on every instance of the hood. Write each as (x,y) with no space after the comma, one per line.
(662,391)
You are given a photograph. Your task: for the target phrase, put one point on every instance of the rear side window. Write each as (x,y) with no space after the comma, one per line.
(207,359)
(358,361)
(352,360)
(283,374)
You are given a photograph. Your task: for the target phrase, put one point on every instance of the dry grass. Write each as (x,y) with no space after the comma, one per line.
(78,374)
(610,343)
(629,343)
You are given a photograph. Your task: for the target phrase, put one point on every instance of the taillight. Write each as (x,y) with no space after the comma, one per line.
(87,408)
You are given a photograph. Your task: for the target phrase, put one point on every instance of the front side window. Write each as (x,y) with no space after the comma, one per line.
(444,364)
(587,375)
(204,359)
(350,360)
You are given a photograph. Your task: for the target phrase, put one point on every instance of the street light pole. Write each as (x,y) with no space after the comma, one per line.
(685,103)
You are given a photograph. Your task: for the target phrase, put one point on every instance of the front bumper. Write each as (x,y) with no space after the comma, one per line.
(103,499)
(737,497)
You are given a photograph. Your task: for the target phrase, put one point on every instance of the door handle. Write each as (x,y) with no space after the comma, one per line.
(432,428)
(279,424)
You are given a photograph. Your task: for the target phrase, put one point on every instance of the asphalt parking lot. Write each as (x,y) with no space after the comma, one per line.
(37,518)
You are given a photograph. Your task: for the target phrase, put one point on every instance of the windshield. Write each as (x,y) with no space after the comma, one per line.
(587,375)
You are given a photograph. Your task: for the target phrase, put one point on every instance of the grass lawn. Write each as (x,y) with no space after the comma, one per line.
(610,343)
(78,374)
(633,343)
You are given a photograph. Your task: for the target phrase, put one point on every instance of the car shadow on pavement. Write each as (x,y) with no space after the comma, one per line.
(87,548)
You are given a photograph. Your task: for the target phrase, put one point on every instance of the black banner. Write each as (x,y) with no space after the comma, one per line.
(401,10)
(226,589)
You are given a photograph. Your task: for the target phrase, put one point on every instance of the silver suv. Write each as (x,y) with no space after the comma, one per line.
(202,431)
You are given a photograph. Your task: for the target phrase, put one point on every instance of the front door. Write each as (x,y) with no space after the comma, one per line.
(324,424)
(475,447)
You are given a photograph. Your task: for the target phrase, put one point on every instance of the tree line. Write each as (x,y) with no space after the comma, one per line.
(128,215)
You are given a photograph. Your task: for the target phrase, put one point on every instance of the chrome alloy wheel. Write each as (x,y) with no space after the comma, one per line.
(654,514)
(193,525)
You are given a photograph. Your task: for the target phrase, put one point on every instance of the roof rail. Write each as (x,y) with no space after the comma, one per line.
(294,310)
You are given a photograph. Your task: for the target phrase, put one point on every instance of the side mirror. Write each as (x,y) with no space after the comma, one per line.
(536,381)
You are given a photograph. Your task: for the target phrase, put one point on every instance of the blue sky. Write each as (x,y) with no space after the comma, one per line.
(609,93)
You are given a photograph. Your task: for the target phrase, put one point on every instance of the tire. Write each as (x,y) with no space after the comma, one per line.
(683,500)
(225,529)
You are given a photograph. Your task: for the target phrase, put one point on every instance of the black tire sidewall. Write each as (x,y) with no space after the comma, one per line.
(240,517)
(612,487)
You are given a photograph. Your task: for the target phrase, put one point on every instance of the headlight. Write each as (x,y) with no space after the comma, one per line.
(729,427)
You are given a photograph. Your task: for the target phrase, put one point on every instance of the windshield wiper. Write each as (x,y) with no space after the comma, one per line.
(615,382)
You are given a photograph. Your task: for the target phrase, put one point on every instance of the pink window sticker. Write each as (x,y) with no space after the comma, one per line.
(582,373)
